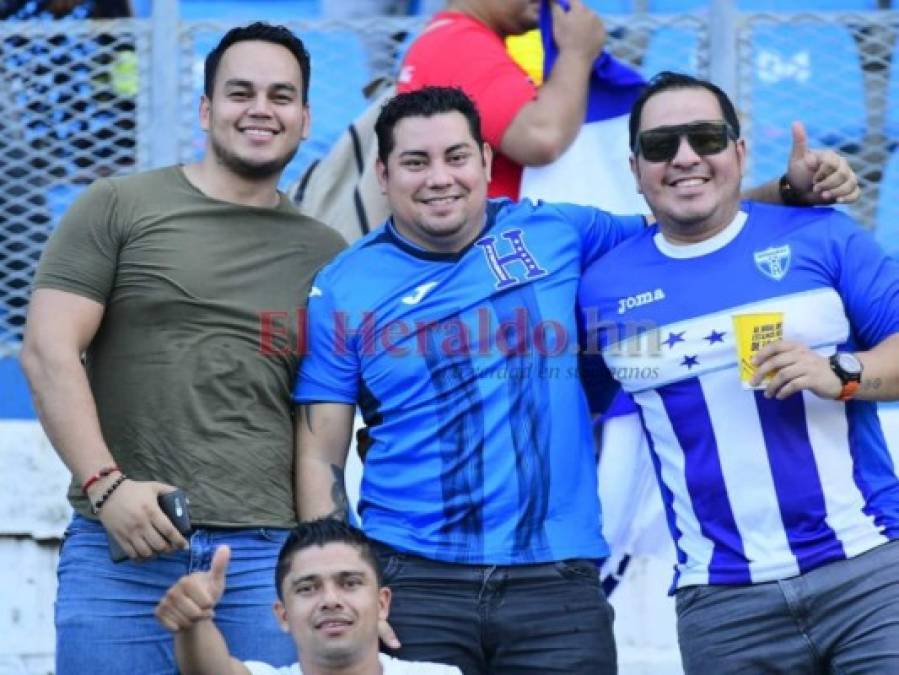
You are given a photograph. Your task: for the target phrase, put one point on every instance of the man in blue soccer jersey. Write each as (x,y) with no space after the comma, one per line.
(479,479)
(780,493)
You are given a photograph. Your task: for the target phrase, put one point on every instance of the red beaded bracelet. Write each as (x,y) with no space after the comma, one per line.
(102,473)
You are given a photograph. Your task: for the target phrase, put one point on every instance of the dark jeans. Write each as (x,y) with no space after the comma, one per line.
(534,619)
(841,618)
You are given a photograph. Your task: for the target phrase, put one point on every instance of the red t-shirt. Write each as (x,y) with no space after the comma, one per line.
(458,51)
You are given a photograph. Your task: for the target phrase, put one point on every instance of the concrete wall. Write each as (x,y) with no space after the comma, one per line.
(33,515)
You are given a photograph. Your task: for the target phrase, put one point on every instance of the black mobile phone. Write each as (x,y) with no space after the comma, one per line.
(175,505)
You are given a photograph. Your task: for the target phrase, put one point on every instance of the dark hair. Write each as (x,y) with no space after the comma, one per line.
(667,80)
(318,533)
(424,102)
(265,32)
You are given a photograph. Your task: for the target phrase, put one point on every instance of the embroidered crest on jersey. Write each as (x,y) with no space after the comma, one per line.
(520,254)
(774,262)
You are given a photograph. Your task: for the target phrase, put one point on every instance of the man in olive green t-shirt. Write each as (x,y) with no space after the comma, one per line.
(183,288)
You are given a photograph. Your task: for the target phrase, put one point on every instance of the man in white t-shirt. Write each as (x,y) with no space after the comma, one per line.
(330,600)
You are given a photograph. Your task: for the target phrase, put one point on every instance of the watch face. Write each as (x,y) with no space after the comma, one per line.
(849,363)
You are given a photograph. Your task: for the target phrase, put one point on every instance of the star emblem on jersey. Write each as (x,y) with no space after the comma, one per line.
(715,336)
(674,338)
(773,262)
(690,361)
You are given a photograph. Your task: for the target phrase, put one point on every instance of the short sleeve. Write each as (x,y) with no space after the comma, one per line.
(499,88)
(82,254)
(600,231)
(457,52)
(868,281)
(329,372)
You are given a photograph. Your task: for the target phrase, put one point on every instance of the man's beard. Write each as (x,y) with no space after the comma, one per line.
(250,170)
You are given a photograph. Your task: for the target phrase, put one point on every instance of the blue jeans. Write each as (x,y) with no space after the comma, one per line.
(104,611)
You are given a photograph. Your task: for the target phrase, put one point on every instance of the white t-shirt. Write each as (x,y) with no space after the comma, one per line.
(390,666)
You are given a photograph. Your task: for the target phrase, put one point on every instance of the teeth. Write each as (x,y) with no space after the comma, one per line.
(441,200)
(689,182)
(259,132)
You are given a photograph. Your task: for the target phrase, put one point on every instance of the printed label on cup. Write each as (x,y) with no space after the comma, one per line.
(752,332)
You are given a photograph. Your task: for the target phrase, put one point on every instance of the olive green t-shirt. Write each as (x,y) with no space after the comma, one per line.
(193,363)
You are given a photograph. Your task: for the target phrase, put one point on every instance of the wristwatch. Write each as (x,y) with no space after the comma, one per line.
(848,368)
(788,194)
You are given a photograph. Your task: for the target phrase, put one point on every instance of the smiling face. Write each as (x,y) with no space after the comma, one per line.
(692,196)
(436,180)
(332,605)
(256,117)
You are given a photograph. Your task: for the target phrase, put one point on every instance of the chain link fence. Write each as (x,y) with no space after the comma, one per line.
(73,98)
(76,101)
(831,71)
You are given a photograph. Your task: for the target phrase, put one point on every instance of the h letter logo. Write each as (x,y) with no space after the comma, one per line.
(519,254)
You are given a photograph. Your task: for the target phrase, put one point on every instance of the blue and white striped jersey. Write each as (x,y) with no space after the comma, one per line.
(755,489)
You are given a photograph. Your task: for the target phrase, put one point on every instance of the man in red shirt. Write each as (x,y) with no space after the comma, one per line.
(464,46)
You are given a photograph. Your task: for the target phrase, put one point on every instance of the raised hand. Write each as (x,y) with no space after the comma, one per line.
(193,597)
(820,176)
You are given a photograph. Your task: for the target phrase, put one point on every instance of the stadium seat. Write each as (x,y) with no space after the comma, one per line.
(887,231)
(672,48)
(807,5)
(142,8)
(16,400)
(807,72)
(242,11)
(676,6)
(891,122)
(610,6)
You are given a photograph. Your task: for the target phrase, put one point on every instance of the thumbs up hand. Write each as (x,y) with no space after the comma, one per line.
(819,176)
(193,597)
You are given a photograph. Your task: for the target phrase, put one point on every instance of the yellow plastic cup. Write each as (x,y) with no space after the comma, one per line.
(752,332)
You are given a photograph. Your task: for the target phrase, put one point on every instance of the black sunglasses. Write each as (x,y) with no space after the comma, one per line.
(661,144)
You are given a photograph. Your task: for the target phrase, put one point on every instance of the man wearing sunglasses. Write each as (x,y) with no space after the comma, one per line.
(755,340)
(479,467)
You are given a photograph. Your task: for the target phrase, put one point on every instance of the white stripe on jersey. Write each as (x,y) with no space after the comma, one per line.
(745,467)
(828,432)
(697,548)
(815,318)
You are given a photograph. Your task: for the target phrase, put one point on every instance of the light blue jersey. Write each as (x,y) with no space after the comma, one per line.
(465,368)
(755,489)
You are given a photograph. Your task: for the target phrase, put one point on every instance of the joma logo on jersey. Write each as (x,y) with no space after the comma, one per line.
(639,299)
(773,262)
(520,254)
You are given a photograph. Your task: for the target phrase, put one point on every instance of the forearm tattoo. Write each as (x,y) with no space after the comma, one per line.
(338,495)
(873,384)
(306,417)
